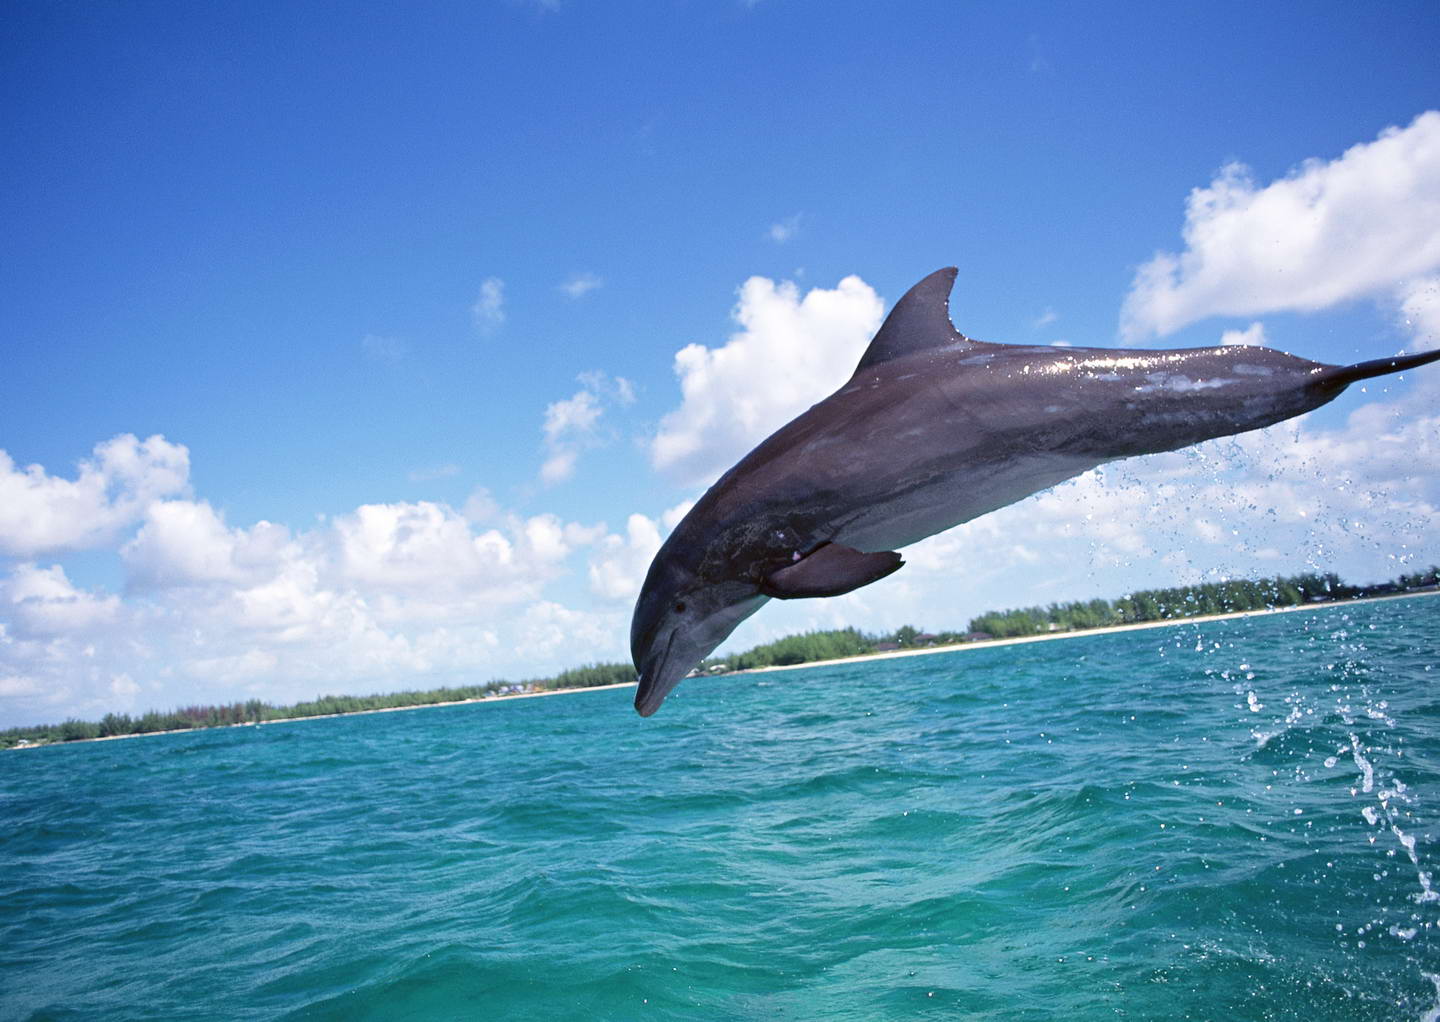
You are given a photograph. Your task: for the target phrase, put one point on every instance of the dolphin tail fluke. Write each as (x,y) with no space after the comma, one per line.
(1336,378)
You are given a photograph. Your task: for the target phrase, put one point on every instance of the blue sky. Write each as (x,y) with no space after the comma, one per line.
(340,341)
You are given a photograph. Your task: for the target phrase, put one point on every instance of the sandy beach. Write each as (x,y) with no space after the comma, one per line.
(1082,633)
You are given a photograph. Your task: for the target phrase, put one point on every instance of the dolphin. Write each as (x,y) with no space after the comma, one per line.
(935,429)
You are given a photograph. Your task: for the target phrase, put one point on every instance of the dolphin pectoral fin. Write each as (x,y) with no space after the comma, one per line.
(830,570)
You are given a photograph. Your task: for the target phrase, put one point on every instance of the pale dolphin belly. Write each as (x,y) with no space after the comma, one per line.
(952,499)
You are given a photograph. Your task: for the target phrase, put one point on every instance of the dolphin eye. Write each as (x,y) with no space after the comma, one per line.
(680,607)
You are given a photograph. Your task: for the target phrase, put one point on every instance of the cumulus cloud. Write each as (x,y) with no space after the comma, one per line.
(1253,335)
(488,311)
(41,603)
(386,595)
(612,388)
(549,630)
(1357,226)
(789,353)
(568,424)
(41,513)
(571,425)
(187,543)
(578,285)
(420,545)
(618,565)
(575,415)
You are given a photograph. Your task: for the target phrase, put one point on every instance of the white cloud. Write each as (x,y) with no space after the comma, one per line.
(1253,335)
(673,516)
(559,467)
(386,596)
(420,545)
(402,561)
(618,565)
(569,424)
(489,308)
(187,543)
(1420,310)
(572,425)
(1045,319)
(41,513)
(789,353)
(575,415)
(41,602)
(548,630)
(1358,226)
(613,388)
(785,230)
(427,554)
(578,285)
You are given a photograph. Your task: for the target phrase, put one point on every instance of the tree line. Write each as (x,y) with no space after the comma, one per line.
(1165,604)
(1132,608)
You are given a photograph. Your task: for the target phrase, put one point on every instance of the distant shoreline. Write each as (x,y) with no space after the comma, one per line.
(1076,633)
(325,716)
(955,647)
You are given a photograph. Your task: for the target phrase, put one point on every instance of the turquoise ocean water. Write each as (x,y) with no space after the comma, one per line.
(1229,820)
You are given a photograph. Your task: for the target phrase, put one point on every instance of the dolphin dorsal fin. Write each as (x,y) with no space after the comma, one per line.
(920,321)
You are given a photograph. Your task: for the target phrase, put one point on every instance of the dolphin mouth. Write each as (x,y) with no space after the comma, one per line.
(654,686)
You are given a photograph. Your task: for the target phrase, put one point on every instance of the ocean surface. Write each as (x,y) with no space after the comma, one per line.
(1226,820)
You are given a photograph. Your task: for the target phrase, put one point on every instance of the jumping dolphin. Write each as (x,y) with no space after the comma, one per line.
(935,429)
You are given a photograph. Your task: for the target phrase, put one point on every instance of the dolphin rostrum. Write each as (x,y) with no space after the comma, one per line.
(935,429)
